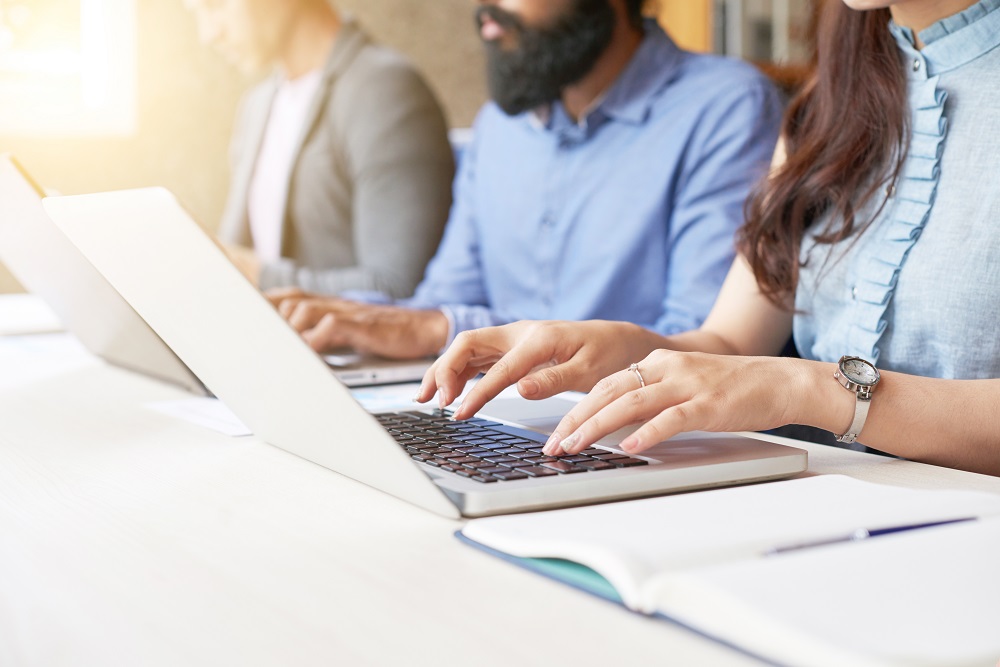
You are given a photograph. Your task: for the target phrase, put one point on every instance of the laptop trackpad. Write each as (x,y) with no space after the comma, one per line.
(542,416)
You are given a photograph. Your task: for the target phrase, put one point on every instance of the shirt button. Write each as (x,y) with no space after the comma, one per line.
(916,65)
(854,293)
(548,220)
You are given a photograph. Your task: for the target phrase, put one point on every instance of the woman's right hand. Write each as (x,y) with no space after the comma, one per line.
(543,358)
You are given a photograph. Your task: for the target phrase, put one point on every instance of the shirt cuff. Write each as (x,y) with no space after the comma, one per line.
(277,274)
(452,328)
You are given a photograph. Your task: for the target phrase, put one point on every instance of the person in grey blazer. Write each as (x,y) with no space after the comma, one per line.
(341,165)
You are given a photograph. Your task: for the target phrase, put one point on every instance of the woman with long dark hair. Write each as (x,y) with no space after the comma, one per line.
(875,240)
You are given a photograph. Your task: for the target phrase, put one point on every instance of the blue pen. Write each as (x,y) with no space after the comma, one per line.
(864,534)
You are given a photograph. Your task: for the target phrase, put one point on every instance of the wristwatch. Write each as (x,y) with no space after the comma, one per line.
(859,376)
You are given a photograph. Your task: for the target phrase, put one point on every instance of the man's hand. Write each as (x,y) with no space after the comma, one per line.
(245,260)
(327,323)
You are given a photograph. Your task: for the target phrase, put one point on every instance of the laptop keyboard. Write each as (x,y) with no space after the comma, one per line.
(489,452)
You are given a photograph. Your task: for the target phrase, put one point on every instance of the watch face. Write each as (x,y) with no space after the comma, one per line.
(859,371)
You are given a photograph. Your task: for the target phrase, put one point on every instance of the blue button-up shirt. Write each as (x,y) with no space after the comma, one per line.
(628,214)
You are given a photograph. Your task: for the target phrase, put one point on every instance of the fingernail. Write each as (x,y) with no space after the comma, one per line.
(552,444)
(529,387)
(571,442)
(461,410)
(416,397)
(442,399)
(630,443)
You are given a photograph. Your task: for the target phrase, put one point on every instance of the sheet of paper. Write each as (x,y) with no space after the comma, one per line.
(22,314)
(208,412)
(634,540)
(28,359)
(921,597)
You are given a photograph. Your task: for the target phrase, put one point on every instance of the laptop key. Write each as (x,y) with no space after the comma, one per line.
(500,459)
(481,422)
(510,475)
(537,471)
(563,467)
(465,459)
(540,459)
(628,463)
(516,464)
(485,479)
(491,471)
(596,465)
(610,456)
(509,450)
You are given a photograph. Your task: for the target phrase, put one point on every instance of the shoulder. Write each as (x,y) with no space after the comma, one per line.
(377,71)
(721,78)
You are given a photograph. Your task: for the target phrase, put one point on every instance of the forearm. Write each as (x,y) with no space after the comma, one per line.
(285,273)
(951,423)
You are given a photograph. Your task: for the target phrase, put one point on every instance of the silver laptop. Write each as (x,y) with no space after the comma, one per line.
(48,265)
(181,283)
(358,370)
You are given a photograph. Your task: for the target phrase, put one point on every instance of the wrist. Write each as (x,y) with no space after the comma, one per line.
(641,341)
(828,404)
(434,328)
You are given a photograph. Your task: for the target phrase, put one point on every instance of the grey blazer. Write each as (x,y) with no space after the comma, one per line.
(370,188)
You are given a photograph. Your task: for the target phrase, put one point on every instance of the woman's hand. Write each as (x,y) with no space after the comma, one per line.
(543,358)
(690,391)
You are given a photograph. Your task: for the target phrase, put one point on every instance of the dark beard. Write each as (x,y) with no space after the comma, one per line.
(545,60)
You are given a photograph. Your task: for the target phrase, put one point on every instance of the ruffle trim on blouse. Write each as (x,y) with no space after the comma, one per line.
(911,206)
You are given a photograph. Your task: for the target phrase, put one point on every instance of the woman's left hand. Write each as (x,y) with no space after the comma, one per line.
(689,391)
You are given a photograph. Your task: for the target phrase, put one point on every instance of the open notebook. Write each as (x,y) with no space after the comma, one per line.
(734,565)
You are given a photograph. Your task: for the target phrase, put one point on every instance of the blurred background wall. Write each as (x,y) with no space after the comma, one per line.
(187,98)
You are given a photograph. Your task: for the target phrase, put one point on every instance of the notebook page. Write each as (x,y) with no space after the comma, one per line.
(923,597)
(629,542)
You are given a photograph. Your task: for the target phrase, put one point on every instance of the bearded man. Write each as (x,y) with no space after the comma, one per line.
(605,180)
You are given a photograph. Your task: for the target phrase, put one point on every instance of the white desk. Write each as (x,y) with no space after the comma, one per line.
(131,538)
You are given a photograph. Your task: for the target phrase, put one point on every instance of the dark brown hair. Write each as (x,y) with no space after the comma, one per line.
(845,138)
(634,9)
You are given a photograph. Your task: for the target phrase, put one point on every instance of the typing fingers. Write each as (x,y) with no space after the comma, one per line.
(680,418)
(505,371)
(278,295)
(328,333)
(304,314)
(471,352)
(605,392)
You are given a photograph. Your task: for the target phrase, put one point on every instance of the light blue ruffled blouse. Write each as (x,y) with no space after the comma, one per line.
(919,291)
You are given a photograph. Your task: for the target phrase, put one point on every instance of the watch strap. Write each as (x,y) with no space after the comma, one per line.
(860,415)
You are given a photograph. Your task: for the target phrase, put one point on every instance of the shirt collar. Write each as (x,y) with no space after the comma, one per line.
(955,40)
(630,98)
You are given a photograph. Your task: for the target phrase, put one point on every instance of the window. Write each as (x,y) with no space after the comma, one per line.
(67,67)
